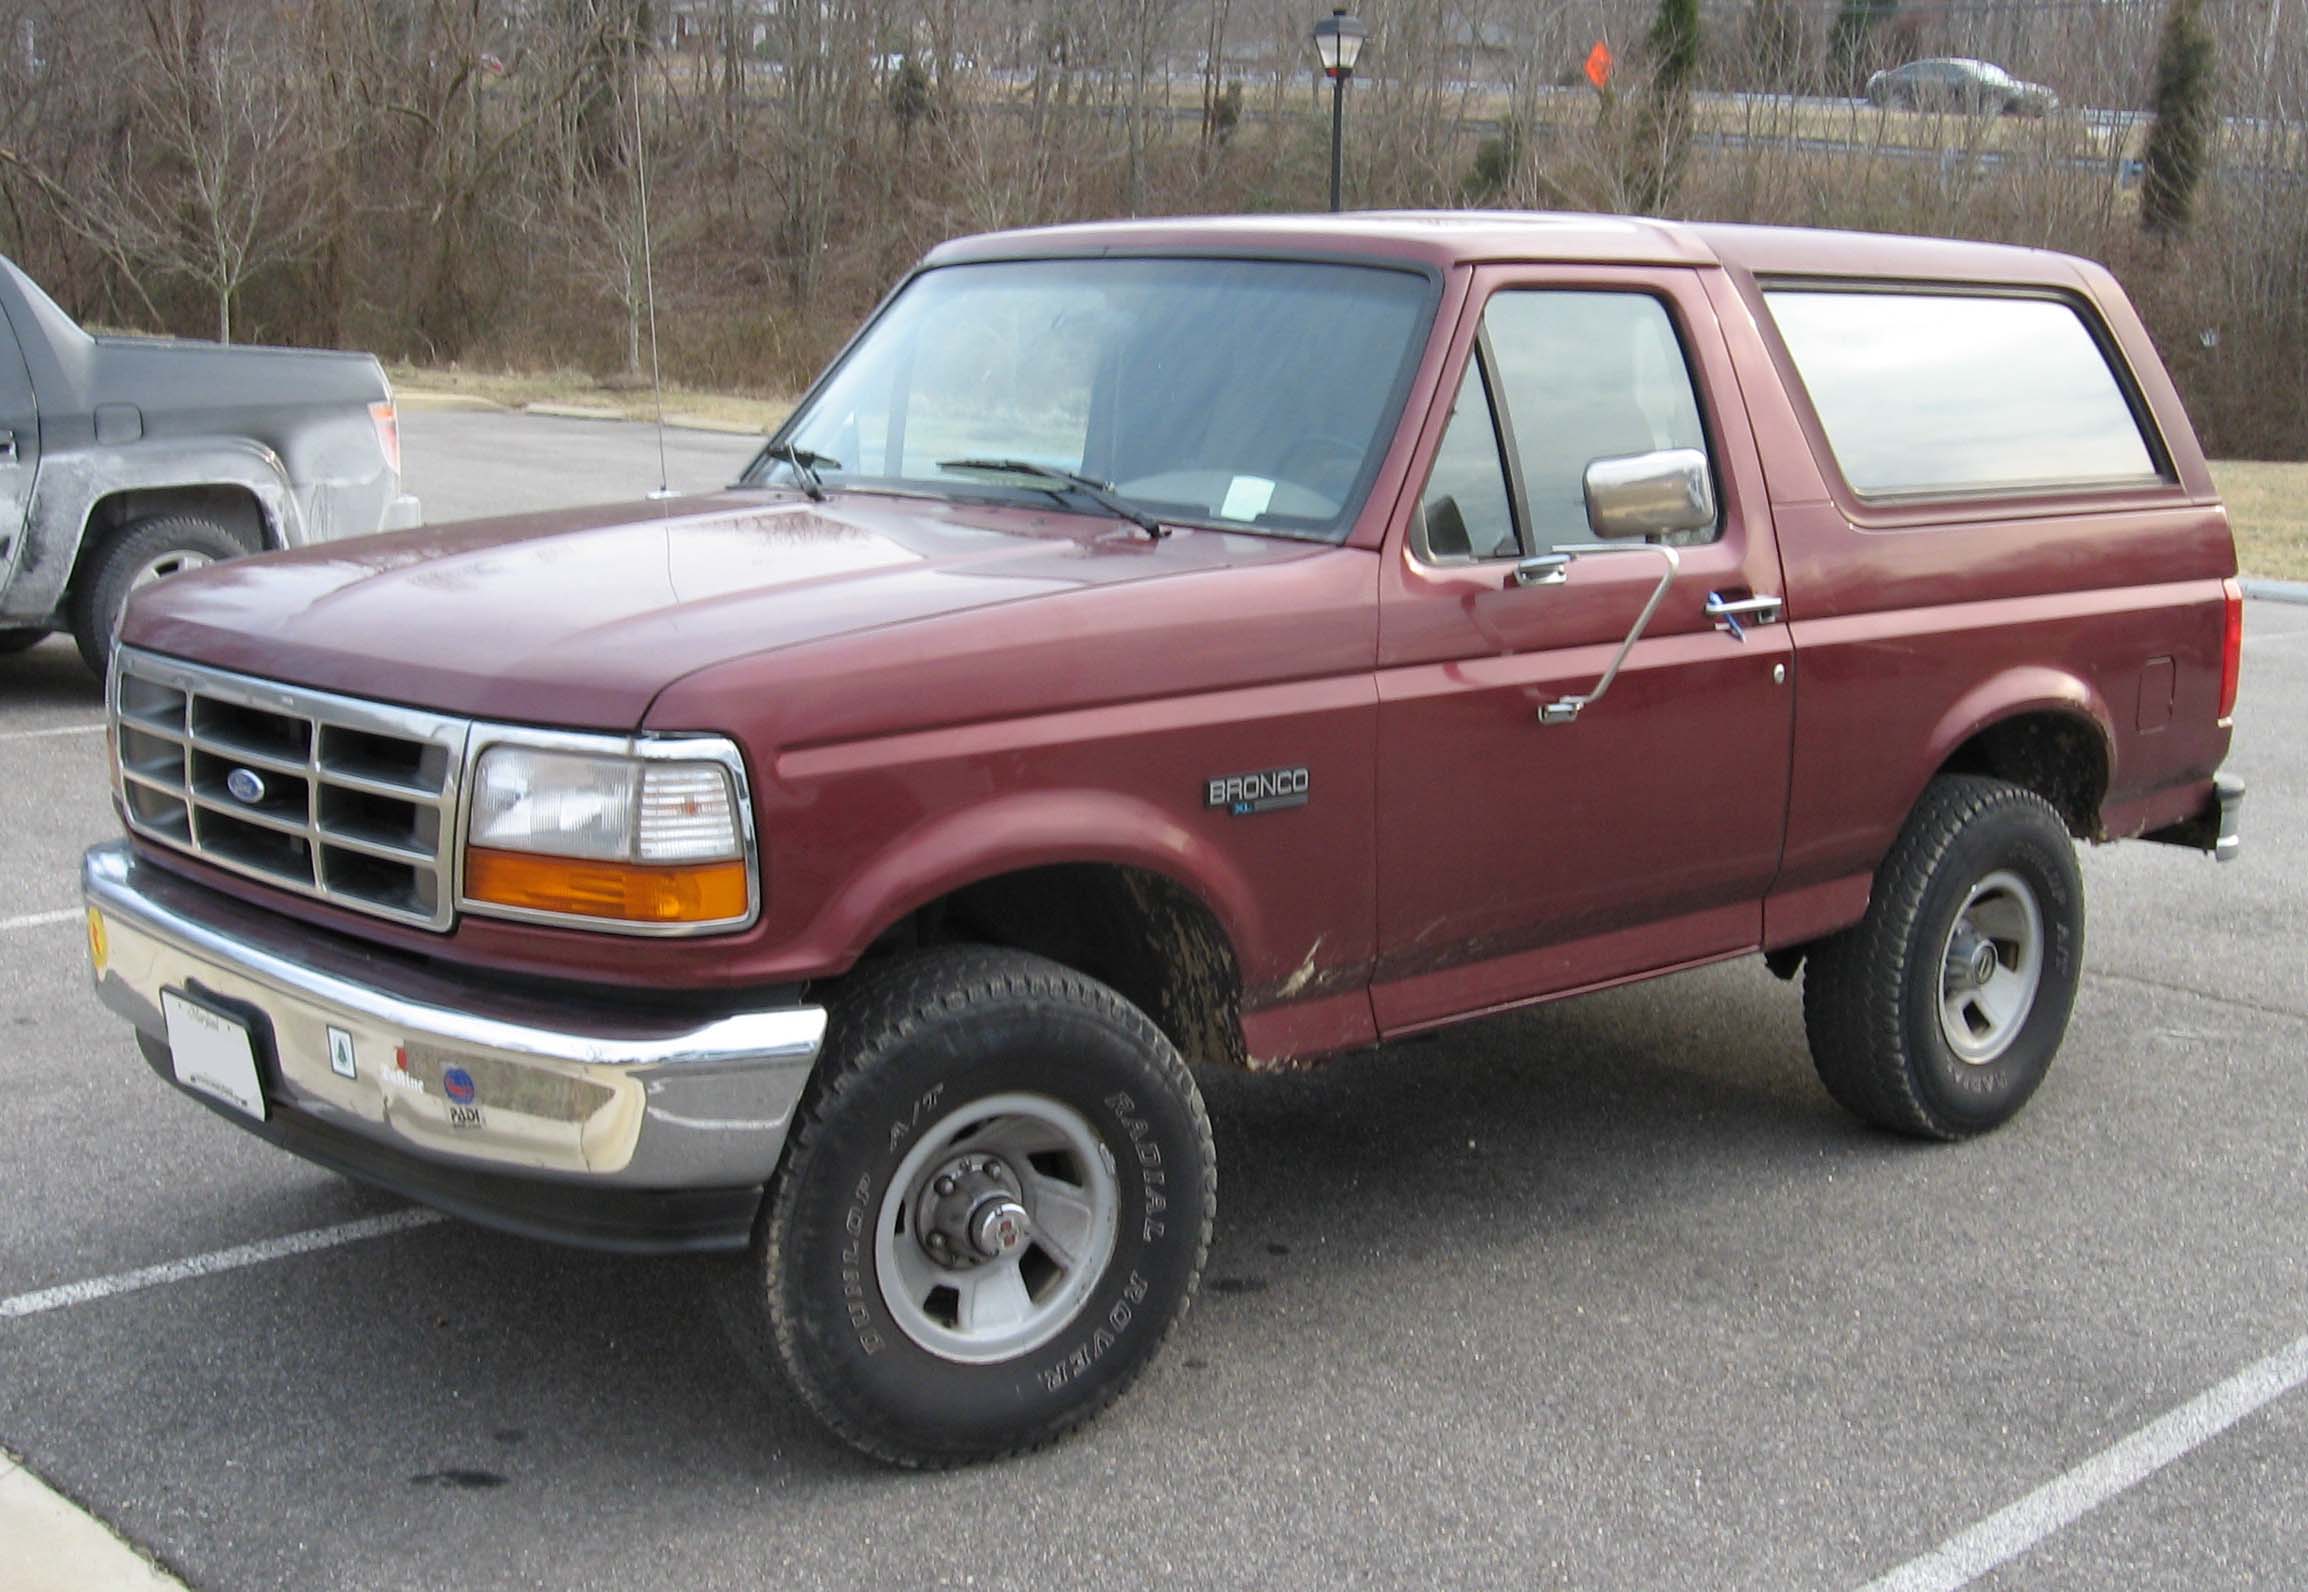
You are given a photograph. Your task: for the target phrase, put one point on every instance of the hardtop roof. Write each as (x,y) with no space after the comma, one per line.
(1443,238)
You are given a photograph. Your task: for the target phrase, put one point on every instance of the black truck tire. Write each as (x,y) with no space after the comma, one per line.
(144,551)
(959,1085)
(1938,1014)
(15,641)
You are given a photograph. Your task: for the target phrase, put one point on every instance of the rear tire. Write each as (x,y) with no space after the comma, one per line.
(958,1087)
(1939,1013)
(139,554)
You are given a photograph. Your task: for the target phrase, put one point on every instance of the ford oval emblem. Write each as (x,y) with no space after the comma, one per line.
(246,785)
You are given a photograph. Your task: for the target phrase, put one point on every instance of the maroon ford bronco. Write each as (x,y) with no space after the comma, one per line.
(1230,642)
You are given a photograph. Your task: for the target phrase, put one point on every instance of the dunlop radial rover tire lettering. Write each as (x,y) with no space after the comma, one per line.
(911,1045)
(1872,994)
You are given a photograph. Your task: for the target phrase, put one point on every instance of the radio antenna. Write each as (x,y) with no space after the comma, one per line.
(649,294)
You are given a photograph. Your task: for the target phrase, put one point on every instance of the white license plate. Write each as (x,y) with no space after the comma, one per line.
(212,1052)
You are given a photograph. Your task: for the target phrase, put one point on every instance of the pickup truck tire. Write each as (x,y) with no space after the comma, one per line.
(15,641)
(1938,1014)
(139,553)
(957,1085)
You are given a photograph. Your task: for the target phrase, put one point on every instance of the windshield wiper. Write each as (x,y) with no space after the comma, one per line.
(804,464)
(1063,482)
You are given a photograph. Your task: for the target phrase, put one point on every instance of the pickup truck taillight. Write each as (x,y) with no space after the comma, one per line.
(2232,650)
(387,419)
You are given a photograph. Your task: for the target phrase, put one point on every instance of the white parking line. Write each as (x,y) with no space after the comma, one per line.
(80,1293)
(2123,1464)
(40,920)
(64,729)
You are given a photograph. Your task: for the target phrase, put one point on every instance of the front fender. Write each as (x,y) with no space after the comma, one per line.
(69,485)
(1010,834)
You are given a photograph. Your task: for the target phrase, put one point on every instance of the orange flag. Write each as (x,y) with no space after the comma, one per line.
(1599,65)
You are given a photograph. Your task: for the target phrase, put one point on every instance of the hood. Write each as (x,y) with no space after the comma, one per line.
(580,618)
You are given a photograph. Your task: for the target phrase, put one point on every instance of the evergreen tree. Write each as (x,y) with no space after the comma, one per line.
(1774,43)
(2180,138)
(910,100)
(1850,41)
(1663,131)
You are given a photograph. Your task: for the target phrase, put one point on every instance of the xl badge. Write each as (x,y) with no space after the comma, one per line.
(1244,794)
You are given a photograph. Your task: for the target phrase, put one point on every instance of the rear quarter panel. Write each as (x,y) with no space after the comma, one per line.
(1917,625)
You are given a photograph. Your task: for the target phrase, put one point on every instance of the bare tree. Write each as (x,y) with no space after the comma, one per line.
(209,164)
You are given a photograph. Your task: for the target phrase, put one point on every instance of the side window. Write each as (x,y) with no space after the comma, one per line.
(1924,393)
(1464,512)
(1586,376)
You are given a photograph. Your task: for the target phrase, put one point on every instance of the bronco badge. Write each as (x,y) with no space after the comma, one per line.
(1244,794)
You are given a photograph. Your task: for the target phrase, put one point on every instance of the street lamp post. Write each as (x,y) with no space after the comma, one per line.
(1338,41)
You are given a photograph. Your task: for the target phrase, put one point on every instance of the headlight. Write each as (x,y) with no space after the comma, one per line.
(648,842)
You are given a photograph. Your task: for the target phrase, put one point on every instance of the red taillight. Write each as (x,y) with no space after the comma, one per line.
(2232,650)
(388,423)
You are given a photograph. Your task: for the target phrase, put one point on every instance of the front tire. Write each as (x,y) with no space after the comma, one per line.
(993,1211)
(1939,1013)
(140,554)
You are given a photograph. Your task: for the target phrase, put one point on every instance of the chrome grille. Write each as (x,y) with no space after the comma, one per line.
(349,801)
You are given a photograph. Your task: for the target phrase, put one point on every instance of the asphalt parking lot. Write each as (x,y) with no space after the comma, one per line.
(1606,1294)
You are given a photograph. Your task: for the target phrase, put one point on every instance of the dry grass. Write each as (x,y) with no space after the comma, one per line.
(2268,504)
(574,389)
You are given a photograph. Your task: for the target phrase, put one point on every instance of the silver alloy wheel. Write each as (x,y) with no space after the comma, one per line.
(997,1227)
(1991,969)
(159,567)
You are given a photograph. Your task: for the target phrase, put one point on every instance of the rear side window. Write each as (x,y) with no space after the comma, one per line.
(1937,393)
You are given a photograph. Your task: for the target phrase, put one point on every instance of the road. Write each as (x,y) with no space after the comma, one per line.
(1606,1294)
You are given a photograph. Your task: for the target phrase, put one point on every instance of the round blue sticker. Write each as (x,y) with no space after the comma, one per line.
(457,1084)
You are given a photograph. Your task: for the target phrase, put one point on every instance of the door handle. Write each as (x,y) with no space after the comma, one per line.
(1733,615)
(1543,569)
(7,446)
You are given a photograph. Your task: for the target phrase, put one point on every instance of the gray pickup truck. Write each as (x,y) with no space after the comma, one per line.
(124,459)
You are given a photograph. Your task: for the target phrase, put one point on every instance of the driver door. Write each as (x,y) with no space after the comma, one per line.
(1520,859)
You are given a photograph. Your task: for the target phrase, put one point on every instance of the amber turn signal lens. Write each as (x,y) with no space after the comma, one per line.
(709,892)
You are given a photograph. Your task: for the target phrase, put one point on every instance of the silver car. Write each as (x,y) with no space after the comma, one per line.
(1966,87)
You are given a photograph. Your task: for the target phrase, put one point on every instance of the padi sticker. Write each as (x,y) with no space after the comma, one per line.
(1272,791)
(457,1084)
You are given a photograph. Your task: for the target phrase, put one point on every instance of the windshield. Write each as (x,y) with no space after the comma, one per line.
(1248,394)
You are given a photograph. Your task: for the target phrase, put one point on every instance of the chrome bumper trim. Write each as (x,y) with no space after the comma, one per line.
(2228,791)
(561,1091)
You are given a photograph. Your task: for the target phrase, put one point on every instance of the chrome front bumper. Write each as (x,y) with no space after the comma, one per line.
(577,1119)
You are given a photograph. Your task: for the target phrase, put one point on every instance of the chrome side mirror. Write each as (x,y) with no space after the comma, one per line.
(1650,494)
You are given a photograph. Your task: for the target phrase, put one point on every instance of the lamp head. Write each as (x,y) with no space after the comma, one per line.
(1338,40)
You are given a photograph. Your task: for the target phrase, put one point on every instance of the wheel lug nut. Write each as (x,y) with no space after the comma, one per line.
(945,1187)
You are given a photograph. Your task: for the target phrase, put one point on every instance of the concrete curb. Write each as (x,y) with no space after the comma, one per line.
(574,411)
(423,398)
(54,1545)
(728,428)
(2277,591)
(419,398)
